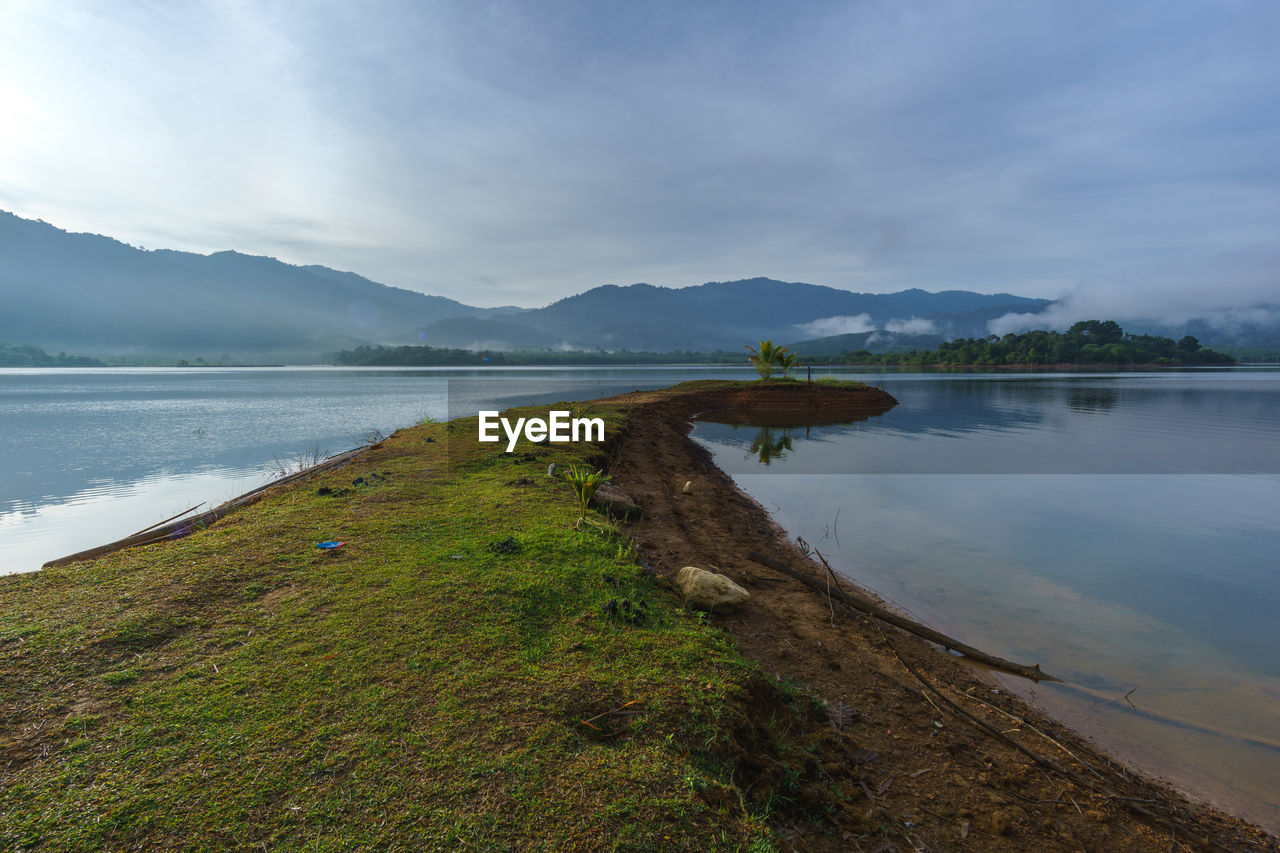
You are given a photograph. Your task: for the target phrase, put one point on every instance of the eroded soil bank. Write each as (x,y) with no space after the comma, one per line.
(915,774)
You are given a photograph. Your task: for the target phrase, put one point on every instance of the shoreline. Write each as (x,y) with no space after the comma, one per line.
(881,759)
(795,634)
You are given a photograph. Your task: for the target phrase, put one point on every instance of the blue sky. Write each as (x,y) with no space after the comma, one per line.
(1121,154)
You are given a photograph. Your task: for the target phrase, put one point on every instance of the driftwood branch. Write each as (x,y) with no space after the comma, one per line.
(176,529)
(1032,672)
(1130,803)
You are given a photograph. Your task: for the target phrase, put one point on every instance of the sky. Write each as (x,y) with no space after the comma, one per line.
(1119,156)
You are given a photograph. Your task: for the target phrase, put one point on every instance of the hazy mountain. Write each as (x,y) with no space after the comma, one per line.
(877,341)
(725,315)
(92,294)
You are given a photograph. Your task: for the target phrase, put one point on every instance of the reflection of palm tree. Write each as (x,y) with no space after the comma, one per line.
(769,446)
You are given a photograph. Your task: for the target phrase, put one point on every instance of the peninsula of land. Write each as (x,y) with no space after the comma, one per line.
(463,665)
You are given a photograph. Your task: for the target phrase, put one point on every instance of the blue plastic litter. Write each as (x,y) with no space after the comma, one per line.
(329,546)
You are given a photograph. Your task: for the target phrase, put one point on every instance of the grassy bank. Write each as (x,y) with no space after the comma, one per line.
(452,677)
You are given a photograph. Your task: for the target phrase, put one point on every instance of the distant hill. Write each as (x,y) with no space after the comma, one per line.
(88,293)
(877,341)
(723,315)
(91,294)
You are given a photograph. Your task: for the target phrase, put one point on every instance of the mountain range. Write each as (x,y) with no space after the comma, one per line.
(90,294)
(96,296)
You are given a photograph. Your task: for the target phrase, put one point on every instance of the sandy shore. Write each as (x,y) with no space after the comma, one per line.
(898,738)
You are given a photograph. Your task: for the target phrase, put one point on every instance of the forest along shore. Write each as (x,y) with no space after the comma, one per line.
(473,667)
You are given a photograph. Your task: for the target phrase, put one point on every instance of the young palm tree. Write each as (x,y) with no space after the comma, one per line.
(786,361)
(765,359)
(585,481)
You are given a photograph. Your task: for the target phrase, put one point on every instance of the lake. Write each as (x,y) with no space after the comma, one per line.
(1119,529)
(92,455)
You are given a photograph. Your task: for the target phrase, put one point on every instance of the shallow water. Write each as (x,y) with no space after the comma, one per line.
(1119,530)
(89,456)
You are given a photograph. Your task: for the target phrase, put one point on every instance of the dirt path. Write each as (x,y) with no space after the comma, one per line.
(914,775)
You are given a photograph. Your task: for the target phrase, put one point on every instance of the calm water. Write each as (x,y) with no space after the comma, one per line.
(89,456)
(1120,530)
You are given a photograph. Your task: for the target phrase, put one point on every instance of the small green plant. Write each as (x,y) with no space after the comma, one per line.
(585,481)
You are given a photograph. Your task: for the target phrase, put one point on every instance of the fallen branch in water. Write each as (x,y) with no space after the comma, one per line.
(1032,672)
(1130,803)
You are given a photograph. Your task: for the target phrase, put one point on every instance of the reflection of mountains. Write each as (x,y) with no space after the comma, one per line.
(957,406)
(1170,424)
(949,407)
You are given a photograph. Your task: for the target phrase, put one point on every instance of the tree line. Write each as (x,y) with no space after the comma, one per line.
(425,356)
(1086,342)
(25,355)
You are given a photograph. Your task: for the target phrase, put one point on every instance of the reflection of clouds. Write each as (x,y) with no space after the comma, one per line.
(37,532)
(1203,423)
(64,431)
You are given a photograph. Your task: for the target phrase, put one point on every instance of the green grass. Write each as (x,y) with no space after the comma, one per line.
(753,384)
(424,687)
(833,382)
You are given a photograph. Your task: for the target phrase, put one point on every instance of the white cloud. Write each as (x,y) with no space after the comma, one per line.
(1226,290)
(503,152)
(840,325)
(914,326)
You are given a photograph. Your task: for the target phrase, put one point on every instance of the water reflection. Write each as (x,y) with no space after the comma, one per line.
(91,455)
(771,443)
(1135,424)
(992,510)
(1092,399)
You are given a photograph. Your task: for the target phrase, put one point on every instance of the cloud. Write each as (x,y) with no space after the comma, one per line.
(504,152)
(914,326)
(1228,291)
(839,325)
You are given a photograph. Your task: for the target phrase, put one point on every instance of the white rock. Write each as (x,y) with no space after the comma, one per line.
(706,590)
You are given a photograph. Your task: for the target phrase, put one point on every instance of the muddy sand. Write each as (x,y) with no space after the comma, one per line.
(928,752)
